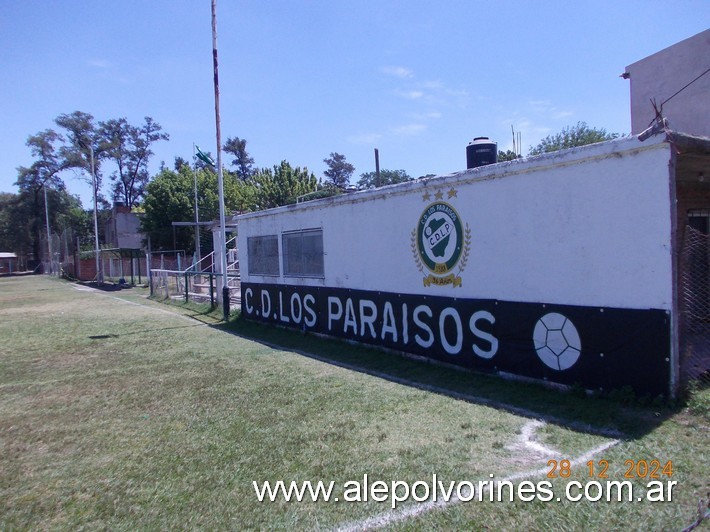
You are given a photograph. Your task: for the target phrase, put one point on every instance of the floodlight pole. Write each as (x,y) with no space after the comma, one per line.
(99,276)
(46,219)
(220,181)
(197,212)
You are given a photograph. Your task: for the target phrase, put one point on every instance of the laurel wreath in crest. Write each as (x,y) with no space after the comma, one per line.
(415,253)
(466,249)
(464,256)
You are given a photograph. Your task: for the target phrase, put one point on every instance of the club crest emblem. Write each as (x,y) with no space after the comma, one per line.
(440,243)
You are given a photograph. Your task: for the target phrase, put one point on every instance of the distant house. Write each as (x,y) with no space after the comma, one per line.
(8,262)
(123,228)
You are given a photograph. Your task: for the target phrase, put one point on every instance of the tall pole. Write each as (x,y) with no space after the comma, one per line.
(197,212)
(46,219)
(99,276)
(220,182)
(377,168)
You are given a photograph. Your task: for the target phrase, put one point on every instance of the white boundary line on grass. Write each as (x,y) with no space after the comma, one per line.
(516,410)
(96,291)
(395,516)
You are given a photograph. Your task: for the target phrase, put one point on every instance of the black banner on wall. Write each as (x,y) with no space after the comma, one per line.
(596,347)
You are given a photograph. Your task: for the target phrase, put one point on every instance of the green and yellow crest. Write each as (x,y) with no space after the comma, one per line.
(440,243)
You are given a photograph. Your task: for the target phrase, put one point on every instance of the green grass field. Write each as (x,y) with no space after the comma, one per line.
(117,412)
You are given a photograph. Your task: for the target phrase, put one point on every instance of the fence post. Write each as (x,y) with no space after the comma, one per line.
(149,265)
(211,292)
(187,294)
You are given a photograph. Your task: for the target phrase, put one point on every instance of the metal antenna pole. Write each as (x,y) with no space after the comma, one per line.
(220,182)
(377,168)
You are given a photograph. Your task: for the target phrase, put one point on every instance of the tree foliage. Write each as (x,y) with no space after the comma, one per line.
(387,177)
(129,147)
(43,173)
(280,186)
(170,197)
(570,137)
(508,155)
(115,140)
(179,163)
(242,161)
(70,148)
(17,224)
(81,135)
(339,170)
(23,223)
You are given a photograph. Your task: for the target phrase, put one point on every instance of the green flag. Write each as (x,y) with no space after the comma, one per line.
(204,157)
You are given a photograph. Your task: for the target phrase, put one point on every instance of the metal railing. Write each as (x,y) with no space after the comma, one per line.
(198,282)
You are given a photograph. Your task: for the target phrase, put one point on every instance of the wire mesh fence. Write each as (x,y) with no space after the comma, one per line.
(57,254)
(695,307)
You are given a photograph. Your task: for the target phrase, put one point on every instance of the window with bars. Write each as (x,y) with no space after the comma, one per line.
(263,255)
(303,253)
(699,219)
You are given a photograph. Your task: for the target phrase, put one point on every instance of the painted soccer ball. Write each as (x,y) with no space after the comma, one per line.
(557,341)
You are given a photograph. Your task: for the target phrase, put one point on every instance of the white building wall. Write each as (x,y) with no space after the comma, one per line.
(589,226)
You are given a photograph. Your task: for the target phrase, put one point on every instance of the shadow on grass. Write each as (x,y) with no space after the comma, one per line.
(120,334)
(618,415)
(106,286)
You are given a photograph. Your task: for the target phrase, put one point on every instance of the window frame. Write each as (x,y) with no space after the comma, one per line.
(276,258)
(286,259)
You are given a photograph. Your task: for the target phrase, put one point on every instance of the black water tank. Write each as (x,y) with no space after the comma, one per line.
(480,152)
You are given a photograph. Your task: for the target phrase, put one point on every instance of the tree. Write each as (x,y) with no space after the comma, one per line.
(17,224)
(570,137)
(339,171)
(170,197)
(508,155)
(179,163)
(82,137)
(282,186)
(129,148)
(387,177)
(243,162)
(44,172)
(23,223)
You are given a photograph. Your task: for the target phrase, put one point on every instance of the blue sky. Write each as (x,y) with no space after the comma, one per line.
(303,78)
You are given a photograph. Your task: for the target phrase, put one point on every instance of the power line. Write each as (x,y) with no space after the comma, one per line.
(681,90)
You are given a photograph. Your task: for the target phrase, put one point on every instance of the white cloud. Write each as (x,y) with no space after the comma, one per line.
(99,63)
(409,130)
(365,138)
(545,107)
(433,115)
(410,95)
(397,71)
(433,84)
